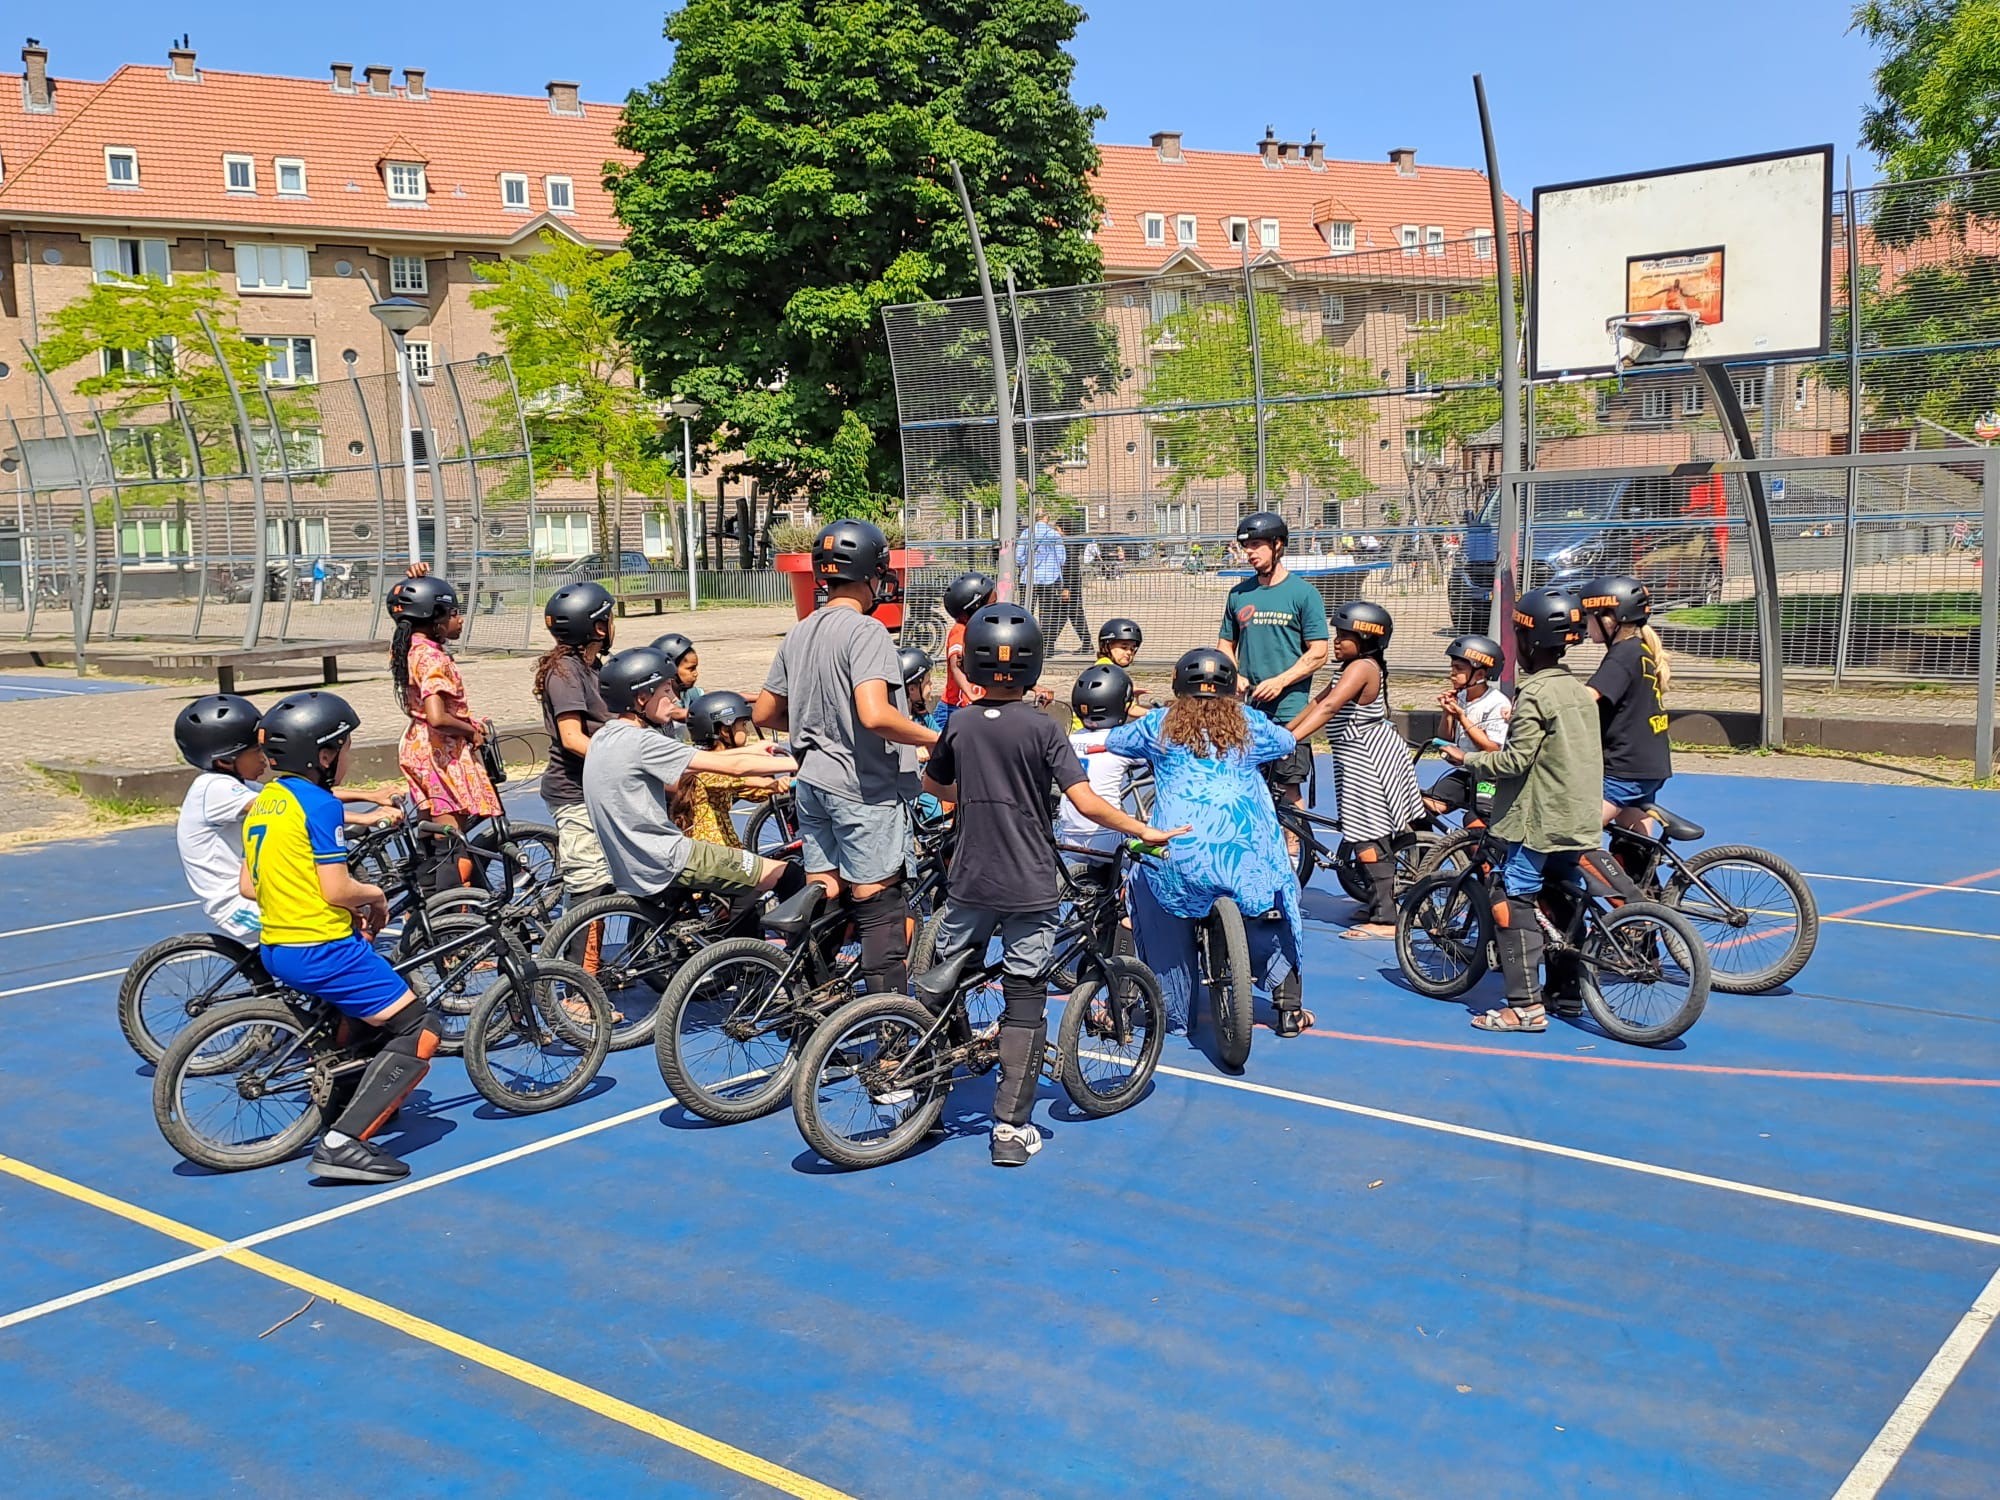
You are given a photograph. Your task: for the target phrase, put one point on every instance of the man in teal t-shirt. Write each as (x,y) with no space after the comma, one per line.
(1274,628)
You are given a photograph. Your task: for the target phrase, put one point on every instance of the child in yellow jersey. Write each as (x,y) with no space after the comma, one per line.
(703,801)
(316,918)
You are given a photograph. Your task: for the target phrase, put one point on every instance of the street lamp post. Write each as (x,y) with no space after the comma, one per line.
(687,411)
(402,315)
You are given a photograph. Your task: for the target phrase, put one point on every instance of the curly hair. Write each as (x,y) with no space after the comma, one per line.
(546,663)
(681,801)
(1206,726)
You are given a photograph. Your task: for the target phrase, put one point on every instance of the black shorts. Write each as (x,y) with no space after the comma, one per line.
(1290,770)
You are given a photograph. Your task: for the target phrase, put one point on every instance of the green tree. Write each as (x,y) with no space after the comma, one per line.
(793,180)
(1461,357)
(1202,365)
(586,412)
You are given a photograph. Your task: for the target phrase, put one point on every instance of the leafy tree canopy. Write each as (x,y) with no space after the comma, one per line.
(1461,357)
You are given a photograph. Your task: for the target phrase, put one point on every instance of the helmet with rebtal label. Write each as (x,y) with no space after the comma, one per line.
(1474,650)
(1547,620)
(1622,596)
(1368,623)
(1003,647)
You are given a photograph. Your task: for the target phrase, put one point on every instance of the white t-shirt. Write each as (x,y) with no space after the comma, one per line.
(1490,712)
(209,837)
(1110,777)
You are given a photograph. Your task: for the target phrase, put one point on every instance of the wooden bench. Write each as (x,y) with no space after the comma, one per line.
(225,662)
(657,599)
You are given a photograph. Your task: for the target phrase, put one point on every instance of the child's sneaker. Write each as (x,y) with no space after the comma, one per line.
(357,1161)
(1014,1144)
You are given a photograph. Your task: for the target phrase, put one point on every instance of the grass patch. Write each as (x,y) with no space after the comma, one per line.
(1821,613)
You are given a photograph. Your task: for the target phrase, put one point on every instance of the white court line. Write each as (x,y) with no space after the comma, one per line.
(313,1221)
(22,687)
(1907,885)
(1866,1479)
(57,984)
(110,916)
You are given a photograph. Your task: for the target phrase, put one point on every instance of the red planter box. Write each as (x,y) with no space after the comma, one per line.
(799,566)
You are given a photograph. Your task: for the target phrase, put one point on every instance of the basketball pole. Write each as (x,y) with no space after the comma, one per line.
(1763,555)
(1507,537)
(1003,411)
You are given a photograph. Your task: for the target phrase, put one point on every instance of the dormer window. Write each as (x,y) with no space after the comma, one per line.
(1184,228)
(1155,226)
(1267,234)
(121,166)
(239,174)
(560,194)
(1239,230)
(406,181)
(291,172)
(514,190)
(1340,237)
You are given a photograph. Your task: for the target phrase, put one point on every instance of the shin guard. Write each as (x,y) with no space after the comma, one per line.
(881,922)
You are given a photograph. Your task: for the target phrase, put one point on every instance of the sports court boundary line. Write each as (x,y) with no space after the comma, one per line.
(110,916)
(63,984)
(499,1361)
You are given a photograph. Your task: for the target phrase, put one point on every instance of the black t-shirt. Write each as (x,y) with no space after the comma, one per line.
(1631,714)
(1003,757)
(571,688)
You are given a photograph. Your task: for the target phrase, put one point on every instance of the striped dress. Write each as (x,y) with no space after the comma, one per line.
(1374,783)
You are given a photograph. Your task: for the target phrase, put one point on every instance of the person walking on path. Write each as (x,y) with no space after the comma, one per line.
(1038,559)
(1069,598)
(1274,631)
(319,580)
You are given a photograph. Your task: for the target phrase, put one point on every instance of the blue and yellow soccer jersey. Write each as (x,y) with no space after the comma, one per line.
(291,830)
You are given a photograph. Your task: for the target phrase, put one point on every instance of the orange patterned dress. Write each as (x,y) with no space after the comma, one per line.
(441,765)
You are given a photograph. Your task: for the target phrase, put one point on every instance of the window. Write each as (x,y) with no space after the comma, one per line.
(288,358)
(1182,518)
(1655,404)
(657,537)
(420,359)
(1155,226)
(1434,240)
(1482,243)
(239,174)
(1416,381)
(1267,233)
(1239,230)
(1750,391)
(513,190)
(272,268)
(148,452)
(1799,394)
(563,534)
(1407,236)
(560,194)
(1340,237)
(1163,451)
(1075,454)
(1418,449)
(1693,400)
(291,176)
(406,181)
(1427,309)
(1332,307)
(1184,228)
(305,536)
(154,360)
(144,539)
(409,273)
(127,260)
(121,166)
(1166,302)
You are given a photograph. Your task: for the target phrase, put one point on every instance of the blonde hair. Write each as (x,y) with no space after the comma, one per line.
(1663,671)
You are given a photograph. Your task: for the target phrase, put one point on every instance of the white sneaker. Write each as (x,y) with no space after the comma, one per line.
(1014,1144)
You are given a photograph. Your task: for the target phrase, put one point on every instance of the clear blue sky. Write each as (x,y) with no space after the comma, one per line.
(1567,80)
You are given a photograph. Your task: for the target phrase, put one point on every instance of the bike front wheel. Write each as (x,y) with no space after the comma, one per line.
(729,1033)
(1644,973)
(1110,1038)
(239,1087)
(869,1085)
(1226,974)
(528,1053)
(1442,932)
(1753,910)
(620,942)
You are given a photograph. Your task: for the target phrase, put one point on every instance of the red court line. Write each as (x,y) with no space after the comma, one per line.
(1667,1067)
(1855,911)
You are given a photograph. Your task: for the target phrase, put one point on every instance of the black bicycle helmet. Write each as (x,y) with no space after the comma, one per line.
(968,594)
(1204,673)
(712,713)
(1370,623)
(575,611)
(630,676)
(913,663)
(423,599)
(215,727)
(298,726)
(1622,596)
(1478,650)
(1262,526)
(1119,629)
(1102,697)
(1003,647)
(850,552)
(673,646)
(1547,620)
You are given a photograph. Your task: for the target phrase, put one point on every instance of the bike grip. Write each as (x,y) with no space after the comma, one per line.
(437,830)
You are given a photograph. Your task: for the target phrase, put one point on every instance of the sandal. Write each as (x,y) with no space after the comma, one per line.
(580,1011)
(1506,1018)
(1296,1022)
(1369,932)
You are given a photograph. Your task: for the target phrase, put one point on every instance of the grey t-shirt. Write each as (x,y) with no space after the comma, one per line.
(628,781)
(816,670)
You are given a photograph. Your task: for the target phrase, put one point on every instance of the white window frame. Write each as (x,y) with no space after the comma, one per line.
(232,160)
(1154,227)
(285,370)
(1750,391)
(1799,394)
(393,170)
(1655,404)
(125,154)
(1694,400)
(421,369)
(1340,237)
(1427,310)
(1187,229)
(160,353)
(1408,236)
(1434,239)
(400,279)
(568,185)
(161,526)
(1075,454)
(278,166)
(657,534)
(1267,234)
(517,181)
(288,257)
(1332,308)
(1236,231)
(544,542)
(1417,382)
(1163,454)
(296,536)
(1482,244)
(145,251)
(1417,448)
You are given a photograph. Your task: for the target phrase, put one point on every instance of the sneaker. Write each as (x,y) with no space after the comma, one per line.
(357,1161)
(1014,1144)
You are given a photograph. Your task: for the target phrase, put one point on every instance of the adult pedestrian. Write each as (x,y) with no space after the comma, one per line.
(1274,629)
(837,688)
(319,580)
(1038,559)
(1069,597)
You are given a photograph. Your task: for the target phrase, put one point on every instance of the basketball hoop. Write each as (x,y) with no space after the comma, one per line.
(1650,338)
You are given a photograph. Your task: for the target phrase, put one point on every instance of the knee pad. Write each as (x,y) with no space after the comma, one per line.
(1027,1002)
(881,922)
(413,1031)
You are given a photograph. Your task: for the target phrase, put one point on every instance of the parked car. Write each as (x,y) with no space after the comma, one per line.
(599,565)
(1671,533)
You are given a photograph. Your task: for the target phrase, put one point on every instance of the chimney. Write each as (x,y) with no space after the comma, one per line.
(343,78)
(1316,153)
(378,79)
(1405,160)
(180,63)
(35,95)
(563,98)
(1288,151)
(1268,147)
(413,83)
(1168,144)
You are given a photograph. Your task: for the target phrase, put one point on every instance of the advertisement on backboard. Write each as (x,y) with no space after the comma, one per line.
(1676,281)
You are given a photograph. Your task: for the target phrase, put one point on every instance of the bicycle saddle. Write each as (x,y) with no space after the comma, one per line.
(794,915)
(1674,827)
(937,984)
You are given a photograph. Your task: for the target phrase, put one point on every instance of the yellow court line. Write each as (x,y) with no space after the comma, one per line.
(498,1360)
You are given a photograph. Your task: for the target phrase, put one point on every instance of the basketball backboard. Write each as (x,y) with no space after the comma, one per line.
(1745,246)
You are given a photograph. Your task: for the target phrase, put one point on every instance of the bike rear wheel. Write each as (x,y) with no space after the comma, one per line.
(1225,946)
(1644,973)
(847,1098)
(1761,922)
(528,1053)
(1442,931)
(173,982)
(1110,1038)
(635,959)
(452,971)
(769,829)
(237,1087)
(727,1041)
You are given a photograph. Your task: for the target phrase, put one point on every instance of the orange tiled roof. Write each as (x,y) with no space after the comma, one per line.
(54,164)
(1216,186)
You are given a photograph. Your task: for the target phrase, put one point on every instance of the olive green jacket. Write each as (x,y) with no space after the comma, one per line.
(1549,776)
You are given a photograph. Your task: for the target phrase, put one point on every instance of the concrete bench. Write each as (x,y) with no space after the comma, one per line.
(225,662)
(657,599)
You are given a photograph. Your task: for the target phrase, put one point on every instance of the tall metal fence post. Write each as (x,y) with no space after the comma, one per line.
(253,618)
(440,520)
(1848,535)
(284,452)
(1003,412)
(1504,582)
(199,471)
(1019,383)
(1256,365)
(530,614)
(32,533)
(381,588)
(117,518)
(82,595)
(1989,619)
(473,491)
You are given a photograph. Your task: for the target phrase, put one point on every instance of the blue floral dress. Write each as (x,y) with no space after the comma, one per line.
(1235,849)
